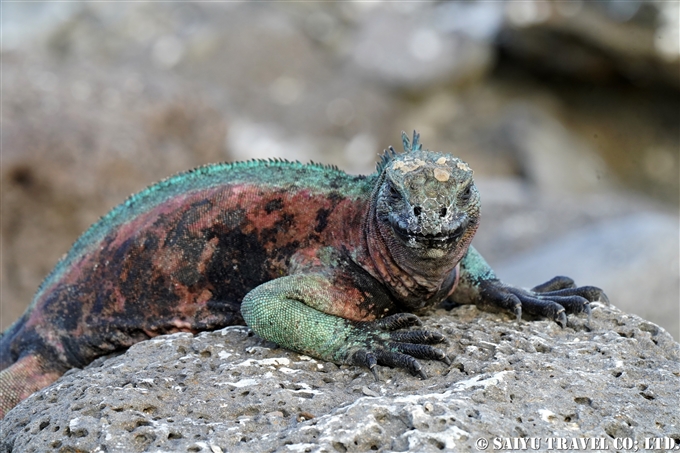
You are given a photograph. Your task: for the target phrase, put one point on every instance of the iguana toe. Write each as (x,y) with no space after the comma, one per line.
(419,351)
(399,360)
(398,321)
(418,337)
(555,283)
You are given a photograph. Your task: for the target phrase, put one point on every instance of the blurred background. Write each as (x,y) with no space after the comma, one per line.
(569,113)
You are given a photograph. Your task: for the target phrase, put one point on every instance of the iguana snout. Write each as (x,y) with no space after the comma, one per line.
(429,200)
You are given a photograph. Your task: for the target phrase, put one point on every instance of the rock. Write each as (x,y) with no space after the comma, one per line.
(548,155)
(613,67)
(405,51)
(598,43)
(230,391)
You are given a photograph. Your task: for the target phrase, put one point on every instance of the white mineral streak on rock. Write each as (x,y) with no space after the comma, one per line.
(243,383)
(547,416)
(229,329)
(276,361)
(477,381)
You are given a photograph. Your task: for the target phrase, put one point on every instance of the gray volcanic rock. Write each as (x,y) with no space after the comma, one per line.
(228,390)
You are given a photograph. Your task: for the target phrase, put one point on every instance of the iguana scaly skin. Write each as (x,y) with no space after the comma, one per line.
(318,261)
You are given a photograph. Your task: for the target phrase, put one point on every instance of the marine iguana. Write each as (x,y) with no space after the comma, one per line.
(318,261)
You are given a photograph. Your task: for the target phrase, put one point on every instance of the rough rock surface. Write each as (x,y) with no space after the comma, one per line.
(230,391)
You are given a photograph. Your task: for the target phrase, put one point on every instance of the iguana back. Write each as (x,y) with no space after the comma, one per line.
(181,255)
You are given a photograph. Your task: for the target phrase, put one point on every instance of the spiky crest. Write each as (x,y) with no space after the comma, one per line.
(411,147)
(389,154)
(385,158)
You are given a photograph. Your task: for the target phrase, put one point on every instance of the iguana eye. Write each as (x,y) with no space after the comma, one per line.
(466,194)
(393,192)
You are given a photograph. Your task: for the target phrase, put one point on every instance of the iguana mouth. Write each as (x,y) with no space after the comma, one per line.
(432,241)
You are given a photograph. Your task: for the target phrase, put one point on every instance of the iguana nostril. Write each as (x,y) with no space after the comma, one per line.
(442,212)
(417,210)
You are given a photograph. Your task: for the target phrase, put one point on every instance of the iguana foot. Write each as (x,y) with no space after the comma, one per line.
(553,299)
(384,344)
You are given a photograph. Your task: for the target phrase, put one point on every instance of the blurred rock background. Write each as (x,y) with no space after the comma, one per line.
(568,112)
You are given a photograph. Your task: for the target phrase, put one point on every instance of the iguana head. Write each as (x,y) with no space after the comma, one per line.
(427,205)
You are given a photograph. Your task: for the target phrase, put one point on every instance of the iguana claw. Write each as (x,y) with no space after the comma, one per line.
(372,364)
(517,310)
(603,298)
(367,359)
(561,319)
(554,299)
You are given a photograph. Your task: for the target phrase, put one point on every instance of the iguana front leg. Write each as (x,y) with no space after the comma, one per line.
(293,312)
(553,299)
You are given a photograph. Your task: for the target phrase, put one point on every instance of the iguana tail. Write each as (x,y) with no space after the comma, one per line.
(19,381)
(24,370)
